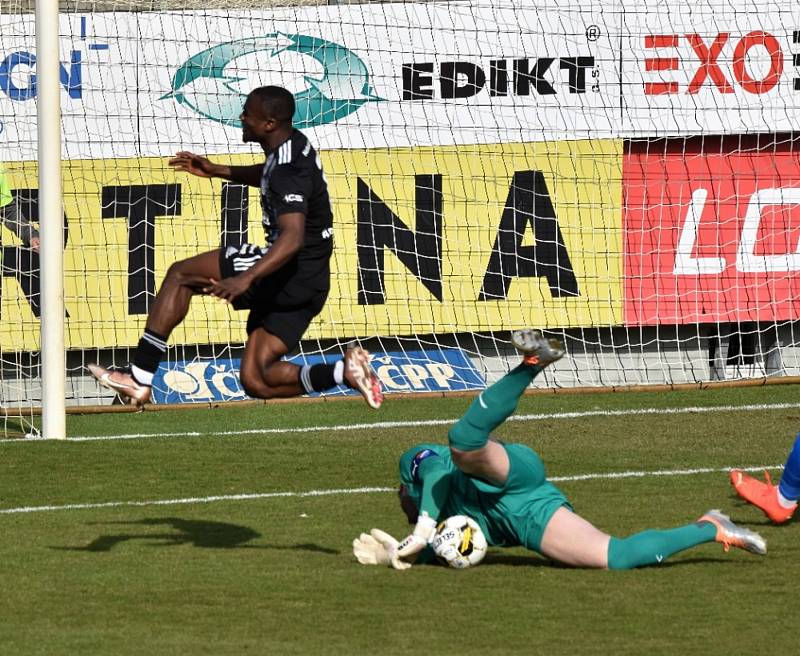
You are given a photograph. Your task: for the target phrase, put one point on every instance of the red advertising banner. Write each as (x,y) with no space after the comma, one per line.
(712,232)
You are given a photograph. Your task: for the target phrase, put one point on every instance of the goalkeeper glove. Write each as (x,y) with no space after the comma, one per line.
(377,548)
(420,538)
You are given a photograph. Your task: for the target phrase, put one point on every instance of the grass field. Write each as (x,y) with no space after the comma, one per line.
(228,531)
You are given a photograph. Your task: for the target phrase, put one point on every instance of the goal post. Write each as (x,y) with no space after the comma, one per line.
(48,122)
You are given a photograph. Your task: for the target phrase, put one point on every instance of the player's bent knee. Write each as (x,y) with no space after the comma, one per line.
(465,438)
(468,448)
(469,462)
(251,389)
(255,385)
(176,276)
(252,384)
(175,271)
(184,276)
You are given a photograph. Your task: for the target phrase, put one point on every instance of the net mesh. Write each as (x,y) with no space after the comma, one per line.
(625,179)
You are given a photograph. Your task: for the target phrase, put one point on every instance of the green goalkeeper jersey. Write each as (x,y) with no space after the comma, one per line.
(515,513)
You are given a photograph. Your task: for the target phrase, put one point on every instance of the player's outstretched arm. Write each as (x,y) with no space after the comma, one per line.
(197,165)
(203,167)
(435,477)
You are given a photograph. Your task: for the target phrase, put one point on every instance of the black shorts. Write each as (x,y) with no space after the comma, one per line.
(280,303)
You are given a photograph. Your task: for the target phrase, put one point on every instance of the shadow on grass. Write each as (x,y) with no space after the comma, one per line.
(706,560)
(512,560)
(198,533)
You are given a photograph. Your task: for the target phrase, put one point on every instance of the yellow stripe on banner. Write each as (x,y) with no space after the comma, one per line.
(466,187)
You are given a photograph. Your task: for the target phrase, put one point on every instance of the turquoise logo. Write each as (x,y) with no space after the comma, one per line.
(206,85)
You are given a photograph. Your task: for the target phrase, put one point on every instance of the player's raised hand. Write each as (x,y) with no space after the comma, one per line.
(194,164)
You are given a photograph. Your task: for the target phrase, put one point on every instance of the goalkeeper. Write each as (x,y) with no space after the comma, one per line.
(503,487)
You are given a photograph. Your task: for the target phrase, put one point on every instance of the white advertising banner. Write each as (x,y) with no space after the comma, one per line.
(711,67)
(379,75)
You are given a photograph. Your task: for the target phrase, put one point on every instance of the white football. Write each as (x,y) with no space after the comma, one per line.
(459,542)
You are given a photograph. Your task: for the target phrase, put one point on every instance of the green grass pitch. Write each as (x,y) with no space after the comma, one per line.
(145,548)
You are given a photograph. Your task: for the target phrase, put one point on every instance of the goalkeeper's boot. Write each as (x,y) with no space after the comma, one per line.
(121,380)
(359,375)
(536,349)
(731,535)
(762,495)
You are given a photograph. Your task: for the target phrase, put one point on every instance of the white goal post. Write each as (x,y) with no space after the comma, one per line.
(48,121)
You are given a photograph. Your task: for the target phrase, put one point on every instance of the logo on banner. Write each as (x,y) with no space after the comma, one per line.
(753,62)
(206,83)
(18,77)
(727,251)
(748,259)
(201,381)
(536,76)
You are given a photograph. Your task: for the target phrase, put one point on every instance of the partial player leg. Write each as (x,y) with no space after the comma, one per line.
(265,376)
(184,279)
(778,502)
(653,547)
(471,449)
(789,487)
(568,538)
(572,540)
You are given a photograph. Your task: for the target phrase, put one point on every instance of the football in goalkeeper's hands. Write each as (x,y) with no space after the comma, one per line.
(459,542)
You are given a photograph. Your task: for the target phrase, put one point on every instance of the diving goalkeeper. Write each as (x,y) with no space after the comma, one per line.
(503,487)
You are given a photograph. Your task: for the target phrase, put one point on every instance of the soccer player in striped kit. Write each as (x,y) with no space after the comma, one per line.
(284,284)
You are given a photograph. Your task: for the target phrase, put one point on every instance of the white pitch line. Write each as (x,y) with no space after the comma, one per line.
(425,422)
(192,500)
(359,490)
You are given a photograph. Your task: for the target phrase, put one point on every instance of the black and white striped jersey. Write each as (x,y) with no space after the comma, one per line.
(292,181)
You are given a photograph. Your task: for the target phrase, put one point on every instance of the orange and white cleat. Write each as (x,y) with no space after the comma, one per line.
(731,535)
(359,375)
(122,382)
(763,496)
(536,349)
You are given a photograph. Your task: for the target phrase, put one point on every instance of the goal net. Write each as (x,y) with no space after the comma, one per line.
(624,178)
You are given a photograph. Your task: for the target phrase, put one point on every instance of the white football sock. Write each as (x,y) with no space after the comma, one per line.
(784,502)
(338,372)
(141,376)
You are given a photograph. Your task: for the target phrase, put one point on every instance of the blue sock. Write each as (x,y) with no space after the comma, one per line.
(790,479)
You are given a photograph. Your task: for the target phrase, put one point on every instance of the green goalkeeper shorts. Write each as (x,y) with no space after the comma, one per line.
(546,500)
(523,507)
